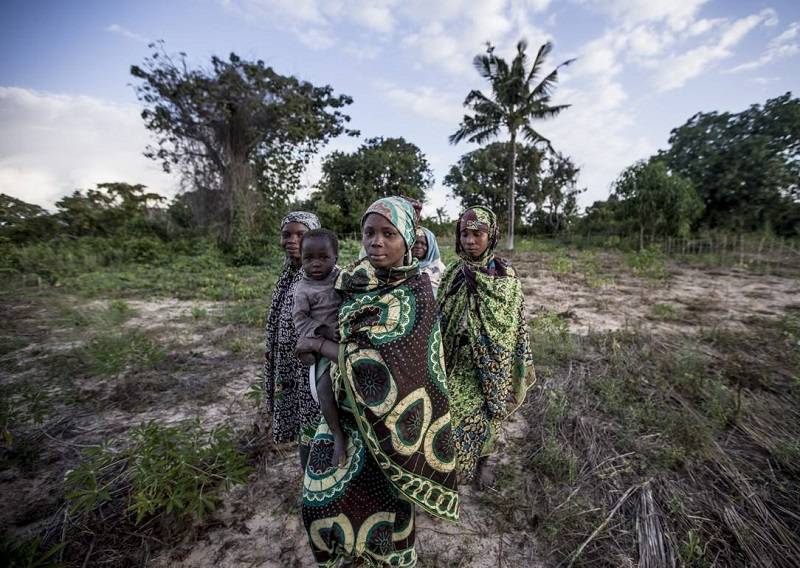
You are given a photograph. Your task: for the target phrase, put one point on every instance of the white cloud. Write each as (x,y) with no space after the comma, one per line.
(52,144)
(425,102)
(124,32)
(677,14)
(783,45)
(675,71)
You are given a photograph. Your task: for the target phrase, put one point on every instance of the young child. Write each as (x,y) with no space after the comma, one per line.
(315,315)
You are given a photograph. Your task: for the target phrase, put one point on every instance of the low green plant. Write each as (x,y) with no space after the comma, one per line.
(650,263)
(32,553)
(21,405)
(179,471)
(199,313)
(551,341)
(109,354)
(251,314)
(664,311)
(256,394)
(562,264)
(556,460)
(691,551)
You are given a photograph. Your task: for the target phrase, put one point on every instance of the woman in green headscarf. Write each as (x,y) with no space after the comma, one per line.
(487,353)
(390,399)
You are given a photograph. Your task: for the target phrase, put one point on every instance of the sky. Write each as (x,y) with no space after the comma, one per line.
(69,116)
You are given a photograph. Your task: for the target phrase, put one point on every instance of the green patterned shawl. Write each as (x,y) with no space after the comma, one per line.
(483,301)
(390,376)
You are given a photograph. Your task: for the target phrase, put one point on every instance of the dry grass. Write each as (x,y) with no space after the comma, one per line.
(663,451)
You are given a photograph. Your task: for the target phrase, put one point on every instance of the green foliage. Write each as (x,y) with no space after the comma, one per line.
(657,201)
(745,166)
(519,96)
(179,471)
(239,129)
(551,341)
(664,311)
(562,264)
(650,263)
(199,313)
(29,553)
(256,394)
(21,405)
(481,178)
(111,353)
(251,314)
(379,168)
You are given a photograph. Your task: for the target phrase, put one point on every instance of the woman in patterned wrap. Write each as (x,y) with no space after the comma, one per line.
(487,354)
(391,397)
(288,395)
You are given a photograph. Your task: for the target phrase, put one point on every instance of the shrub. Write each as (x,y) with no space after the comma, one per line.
(650,263)
(111,353)
(179,471)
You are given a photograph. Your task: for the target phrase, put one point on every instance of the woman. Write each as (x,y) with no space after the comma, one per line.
(294,412)
(487,354)
(426,250)
(390,398)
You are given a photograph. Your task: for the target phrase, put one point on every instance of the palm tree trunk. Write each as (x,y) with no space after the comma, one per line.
(511,191)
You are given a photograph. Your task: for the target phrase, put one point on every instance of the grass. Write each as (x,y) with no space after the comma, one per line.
(664,312)
(110,354)
(695,457)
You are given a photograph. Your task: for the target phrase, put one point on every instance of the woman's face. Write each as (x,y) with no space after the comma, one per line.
(291,235)
(420,248)
(473,242)
(382,241)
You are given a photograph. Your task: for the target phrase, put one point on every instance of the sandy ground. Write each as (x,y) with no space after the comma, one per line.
(259,524)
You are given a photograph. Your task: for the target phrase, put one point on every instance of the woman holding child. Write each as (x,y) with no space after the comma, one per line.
(294,412)
(487,354)
(386,407)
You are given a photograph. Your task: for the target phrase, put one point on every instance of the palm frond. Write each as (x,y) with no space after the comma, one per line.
(545,86)
(541,55)
(484,65)
(531,135)
(537,111)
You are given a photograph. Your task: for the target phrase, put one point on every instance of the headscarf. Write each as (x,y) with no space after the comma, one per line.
(483,298)
(478,218)
(433,247)
(308,219)
(391,373)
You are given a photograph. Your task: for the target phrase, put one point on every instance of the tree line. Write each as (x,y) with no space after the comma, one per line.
(240,135)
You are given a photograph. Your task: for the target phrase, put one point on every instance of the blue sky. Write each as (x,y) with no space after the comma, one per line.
(69,116)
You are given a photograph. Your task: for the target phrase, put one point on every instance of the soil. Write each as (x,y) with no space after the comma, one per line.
(210,366)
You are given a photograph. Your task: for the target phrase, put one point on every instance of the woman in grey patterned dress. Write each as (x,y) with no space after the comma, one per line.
(295,413)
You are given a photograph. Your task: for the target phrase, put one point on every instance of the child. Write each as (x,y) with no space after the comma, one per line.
(315,314)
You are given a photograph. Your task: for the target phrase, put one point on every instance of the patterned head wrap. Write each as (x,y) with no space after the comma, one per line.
(478,218)
(304,217)
(400,213)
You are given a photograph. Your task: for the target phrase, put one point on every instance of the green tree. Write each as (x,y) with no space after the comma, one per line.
(516,100)
(21,221)
(481,178)
(380,167)
(657,200)
(239,128)
(111,208)
(745,166)
(557,200)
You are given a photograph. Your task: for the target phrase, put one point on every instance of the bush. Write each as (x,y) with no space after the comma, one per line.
(179,471)
(109,354)
(650,263)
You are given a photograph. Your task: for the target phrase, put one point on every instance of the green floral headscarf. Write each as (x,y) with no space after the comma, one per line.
(400,213)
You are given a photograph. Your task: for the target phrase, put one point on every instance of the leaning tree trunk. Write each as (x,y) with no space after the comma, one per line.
(511,191)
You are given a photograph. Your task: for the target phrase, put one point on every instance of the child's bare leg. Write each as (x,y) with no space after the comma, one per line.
(327,404)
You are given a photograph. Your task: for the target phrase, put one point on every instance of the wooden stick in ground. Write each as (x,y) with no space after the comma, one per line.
(603,525)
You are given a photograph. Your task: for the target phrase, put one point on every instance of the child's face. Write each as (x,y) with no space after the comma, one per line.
(317,257)
(420,248)
(382,241)
(473,242)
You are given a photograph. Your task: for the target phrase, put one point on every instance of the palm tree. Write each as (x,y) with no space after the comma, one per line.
(514,104)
